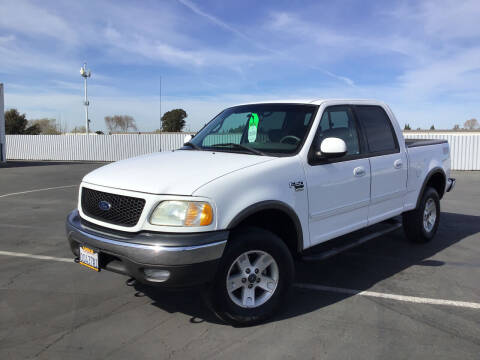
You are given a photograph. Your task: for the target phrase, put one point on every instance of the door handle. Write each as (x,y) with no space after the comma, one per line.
(359,171)
(397,164)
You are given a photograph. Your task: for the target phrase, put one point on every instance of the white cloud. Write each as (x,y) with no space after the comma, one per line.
(212,18)
(448,69)
(292,26)
(157,50)
(26,18)
(443,19)
(446,75)
(215,20)
(345,79)
(432,37)
(430,51)
(14,57)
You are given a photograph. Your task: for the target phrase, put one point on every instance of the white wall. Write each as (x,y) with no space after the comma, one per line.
(465,147)
(2,126)
(89,147)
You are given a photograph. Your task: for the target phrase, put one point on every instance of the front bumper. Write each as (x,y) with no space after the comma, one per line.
(190,258)
(450,184)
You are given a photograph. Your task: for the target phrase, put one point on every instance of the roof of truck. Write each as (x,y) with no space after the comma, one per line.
(316,101)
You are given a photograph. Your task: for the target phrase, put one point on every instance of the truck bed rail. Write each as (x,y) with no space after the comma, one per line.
(423,142)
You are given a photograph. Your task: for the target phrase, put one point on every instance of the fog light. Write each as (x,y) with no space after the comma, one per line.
(156,275)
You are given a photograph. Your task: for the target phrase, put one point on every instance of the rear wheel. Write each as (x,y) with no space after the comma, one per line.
(254,276)
(421,224)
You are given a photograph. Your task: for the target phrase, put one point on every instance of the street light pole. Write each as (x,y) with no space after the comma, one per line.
(86,74)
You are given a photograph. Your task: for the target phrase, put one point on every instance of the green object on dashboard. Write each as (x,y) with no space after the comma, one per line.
(253,127)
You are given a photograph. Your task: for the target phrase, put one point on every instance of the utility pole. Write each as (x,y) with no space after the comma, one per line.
(160,128)
(86,74)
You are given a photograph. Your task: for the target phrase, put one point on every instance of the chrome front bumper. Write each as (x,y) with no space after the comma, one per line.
(193,256)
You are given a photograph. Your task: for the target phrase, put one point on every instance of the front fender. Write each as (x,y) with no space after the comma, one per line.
(236,194)
(271,205)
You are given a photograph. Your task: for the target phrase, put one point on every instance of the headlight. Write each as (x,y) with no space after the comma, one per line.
(182,213)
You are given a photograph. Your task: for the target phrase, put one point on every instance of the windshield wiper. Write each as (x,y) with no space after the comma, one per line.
(240,146)
(195,146)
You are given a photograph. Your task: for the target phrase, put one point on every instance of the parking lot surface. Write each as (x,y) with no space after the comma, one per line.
(423,301)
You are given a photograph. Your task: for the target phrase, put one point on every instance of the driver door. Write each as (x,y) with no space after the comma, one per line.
(338,188)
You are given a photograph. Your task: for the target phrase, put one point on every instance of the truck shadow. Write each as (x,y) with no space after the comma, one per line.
(359,269)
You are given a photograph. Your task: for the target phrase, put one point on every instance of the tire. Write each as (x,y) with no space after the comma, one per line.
(416,229)
(257,304)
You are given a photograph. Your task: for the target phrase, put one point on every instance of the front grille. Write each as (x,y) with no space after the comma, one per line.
(123,210)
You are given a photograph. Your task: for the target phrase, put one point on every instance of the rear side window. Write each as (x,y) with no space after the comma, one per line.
(378,128)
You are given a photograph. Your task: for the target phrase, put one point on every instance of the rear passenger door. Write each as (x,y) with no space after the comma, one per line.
(387,163)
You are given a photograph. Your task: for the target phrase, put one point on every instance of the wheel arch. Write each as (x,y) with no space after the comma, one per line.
(266,214)
(435,178)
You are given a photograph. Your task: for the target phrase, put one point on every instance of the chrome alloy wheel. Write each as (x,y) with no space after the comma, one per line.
(429,215)
(252,279)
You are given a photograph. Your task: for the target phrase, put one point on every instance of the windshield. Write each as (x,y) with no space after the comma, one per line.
(272,129)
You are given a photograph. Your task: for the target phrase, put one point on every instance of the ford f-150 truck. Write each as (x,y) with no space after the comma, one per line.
(260,185)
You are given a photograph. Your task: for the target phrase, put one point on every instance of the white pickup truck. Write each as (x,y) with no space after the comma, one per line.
(259,186)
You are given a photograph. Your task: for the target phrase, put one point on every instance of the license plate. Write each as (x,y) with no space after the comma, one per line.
(89,258)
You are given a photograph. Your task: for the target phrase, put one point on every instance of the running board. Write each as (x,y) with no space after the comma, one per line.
(349,243)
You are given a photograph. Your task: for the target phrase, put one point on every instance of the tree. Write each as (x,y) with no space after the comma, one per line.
(33,130)
(120,122)
(79,130)
(46,126)
(407,127)
(432,127)
(456,127)
(16,123)
(174,120)
(471,124)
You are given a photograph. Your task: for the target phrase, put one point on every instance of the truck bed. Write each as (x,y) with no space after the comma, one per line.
(423,142)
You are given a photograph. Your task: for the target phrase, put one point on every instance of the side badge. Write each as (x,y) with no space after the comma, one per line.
(298,185)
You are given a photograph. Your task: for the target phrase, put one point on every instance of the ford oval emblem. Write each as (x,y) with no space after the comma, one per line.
(104,205)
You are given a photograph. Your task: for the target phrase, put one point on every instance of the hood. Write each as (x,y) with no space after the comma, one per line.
(178,172)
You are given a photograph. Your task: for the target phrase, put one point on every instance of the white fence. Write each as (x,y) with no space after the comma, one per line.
(465,147)
(89,148)
(2,127)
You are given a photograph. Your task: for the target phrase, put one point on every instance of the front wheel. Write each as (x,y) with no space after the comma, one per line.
(421,224)
(254,276)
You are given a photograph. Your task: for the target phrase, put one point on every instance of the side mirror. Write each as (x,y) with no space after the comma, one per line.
(187,138)
(332,147)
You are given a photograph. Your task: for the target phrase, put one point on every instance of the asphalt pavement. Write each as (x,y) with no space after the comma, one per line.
(387,299)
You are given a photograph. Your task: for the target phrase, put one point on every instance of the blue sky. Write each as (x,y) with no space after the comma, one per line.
(422,57)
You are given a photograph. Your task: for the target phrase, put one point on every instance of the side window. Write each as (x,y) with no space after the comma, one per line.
(338,121)
(378,128)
